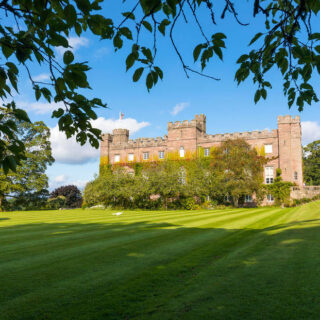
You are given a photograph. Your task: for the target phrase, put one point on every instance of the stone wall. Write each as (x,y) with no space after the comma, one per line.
(304,192)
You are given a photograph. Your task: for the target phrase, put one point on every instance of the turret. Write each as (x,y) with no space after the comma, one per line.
(290,149)
(120,136)
(201,122)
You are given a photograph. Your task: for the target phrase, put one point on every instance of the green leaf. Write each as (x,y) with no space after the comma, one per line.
(315,36)
(9,163)
(126,32)
(147,53)
(218,52)
(219,36)
(197,51)
(7,50)
(255,38)
(68,57)
(147,25)
(264,93)
(83,5)
(70,14)
(162,26)
(131,59)
(137,74)
(117,41)
(159,72)
(21,115)
(149,81)
(129,15)
(57,113)
(243,58)
(57,40)
(257,96)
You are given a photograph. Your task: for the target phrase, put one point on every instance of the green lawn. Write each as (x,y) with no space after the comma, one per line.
(220,264)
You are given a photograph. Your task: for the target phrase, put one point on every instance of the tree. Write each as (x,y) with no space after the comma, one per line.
(287,43)
(72,194)
(279,189)
(311,163)
(167,179)
(29,183)
(240,168)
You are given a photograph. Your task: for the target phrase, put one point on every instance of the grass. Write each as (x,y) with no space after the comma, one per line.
(222,264)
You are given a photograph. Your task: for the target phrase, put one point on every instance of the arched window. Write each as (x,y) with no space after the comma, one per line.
(181,152)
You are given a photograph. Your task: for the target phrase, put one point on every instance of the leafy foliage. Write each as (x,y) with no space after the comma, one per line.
(72,196)
(287,43)
(311,163)
(280,190)
(182,183)
(30,181)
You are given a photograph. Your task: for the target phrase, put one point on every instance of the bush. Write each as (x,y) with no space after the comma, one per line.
(56,203)
(188,203)
(72,194)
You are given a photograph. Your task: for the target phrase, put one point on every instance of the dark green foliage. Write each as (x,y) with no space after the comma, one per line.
(280,190)
(31,30)
(28,185)
(311,163)
(56,203)
(71,193)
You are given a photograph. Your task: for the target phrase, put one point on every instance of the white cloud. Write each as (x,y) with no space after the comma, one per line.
(41,77)
(40,107)
(310,131)
(101,52)
(179,107)
(70,151)
(107,125)
(75,43)
(63,180)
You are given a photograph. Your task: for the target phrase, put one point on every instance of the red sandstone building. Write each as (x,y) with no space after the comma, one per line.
(284,143)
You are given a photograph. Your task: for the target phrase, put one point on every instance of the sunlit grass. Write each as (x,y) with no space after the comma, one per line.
(221,264)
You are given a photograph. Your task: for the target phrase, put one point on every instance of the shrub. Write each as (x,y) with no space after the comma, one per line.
(72,194)
(56,203)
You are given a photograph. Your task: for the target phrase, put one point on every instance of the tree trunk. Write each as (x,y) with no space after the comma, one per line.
(1,199)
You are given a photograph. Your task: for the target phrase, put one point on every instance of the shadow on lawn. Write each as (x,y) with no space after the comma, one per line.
(160,271)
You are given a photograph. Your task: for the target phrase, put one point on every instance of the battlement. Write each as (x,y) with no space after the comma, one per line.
(288,119)
(198,122)
(146,141)
(120,132)
(263,134)
(182,124)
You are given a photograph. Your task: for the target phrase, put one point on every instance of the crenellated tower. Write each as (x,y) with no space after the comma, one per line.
(290,148)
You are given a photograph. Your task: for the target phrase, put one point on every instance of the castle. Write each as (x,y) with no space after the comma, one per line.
(283,145)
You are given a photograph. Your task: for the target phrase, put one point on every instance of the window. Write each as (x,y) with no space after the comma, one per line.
(181,152)
(206,152)
(268,148)
(145,155)
(117,158)
(130,156)
(182,178)
(270,198)
(268,171)
(295,175)
(248,198)
(161,154)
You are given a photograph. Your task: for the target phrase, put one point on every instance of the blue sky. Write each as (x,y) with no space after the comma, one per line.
(228,108)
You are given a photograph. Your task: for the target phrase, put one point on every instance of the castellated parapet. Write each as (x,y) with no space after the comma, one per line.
(283,144)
